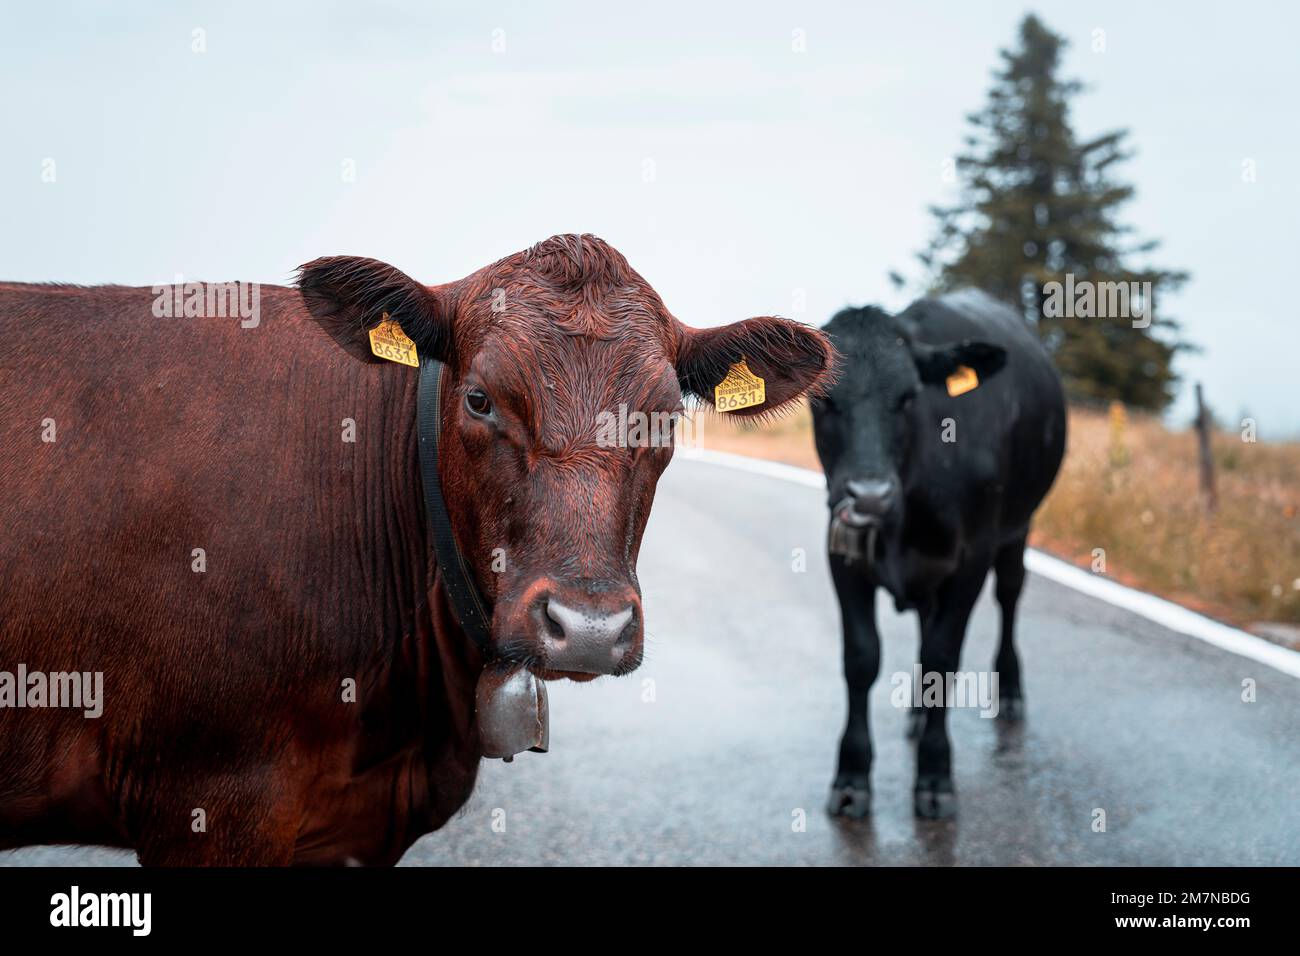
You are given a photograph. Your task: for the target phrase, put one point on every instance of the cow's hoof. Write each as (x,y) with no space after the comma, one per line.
(934,799)
(915,723)
(849,801)
(1011,708)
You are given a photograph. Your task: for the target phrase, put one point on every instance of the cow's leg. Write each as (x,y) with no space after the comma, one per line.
(231,819)
(942,632)
(1010,568)
(916,714)
(851,792)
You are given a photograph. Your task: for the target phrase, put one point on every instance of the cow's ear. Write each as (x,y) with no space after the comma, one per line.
(790,358)
(348,296)
(936,362)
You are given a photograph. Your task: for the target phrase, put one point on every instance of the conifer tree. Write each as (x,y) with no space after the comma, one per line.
(1039,207)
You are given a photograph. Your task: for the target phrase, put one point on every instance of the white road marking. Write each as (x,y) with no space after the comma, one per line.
(1165,613)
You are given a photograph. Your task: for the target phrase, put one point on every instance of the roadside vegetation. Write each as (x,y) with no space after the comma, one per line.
(1130,486)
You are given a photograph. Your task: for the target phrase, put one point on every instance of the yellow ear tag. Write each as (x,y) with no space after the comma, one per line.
(388,341)
(962,381)
(740,389)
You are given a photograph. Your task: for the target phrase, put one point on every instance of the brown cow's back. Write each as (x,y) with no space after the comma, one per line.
(177,434)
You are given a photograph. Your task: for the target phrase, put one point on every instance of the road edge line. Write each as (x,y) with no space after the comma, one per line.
(1158,610)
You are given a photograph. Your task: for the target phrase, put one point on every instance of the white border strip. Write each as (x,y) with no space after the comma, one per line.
(1165,613)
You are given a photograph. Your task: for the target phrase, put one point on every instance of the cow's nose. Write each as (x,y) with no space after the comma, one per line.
(872,496)
(588,639)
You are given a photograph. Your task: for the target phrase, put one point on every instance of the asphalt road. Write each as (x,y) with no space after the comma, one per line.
(725,739)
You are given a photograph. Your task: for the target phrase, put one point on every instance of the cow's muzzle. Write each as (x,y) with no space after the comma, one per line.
(589,637)
(853,533)
(577,628)
(589,633)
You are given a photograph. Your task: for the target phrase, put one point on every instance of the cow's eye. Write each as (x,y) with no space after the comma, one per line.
(478,403)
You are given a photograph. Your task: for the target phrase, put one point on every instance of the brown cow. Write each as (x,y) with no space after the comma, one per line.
(183,512)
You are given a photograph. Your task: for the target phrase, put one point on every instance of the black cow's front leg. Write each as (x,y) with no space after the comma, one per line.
(851,792)
(1010,568)
(942,633)
(916,714)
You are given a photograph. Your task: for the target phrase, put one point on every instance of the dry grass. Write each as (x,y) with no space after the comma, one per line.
(1132,489)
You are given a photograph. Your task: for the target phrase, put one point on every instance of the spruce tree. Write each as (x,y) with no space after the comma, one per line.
(1037,206)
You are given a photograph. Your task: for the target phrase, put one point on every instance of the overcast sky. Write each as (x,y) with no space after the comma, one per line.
(738,175)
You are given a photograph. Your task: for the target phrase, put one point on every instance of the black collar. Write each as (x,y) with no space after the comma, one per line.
(470,609)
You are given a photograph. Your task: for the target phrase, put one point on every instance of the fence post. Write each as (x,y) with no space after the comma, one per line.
(1207,459)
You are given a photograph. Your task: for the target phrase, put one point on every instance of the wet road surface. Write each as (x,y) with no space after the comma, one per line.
(721,748)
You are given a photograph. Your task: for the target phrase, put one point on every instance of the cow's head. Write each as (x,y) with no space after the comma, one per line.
(537,347)
(865,423)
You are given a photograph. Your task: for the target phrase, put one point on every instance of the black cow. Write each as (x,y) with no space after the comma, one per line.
(941,436)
